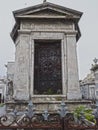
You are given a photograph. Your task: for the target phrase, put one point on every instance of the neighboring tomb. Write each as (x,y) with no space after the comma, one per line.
(10,77)
(89,85)
(2,90)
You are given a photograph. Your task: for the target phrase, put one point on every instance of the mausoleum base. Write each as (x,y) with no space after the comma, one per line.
(74,96)
(46,102)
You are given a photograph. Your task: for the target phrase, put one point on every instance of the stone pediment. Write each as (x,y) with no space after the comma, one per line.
(47,10)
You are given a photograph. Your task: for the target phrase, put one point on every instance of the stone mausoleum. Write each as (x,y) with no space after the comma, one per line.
(46,69)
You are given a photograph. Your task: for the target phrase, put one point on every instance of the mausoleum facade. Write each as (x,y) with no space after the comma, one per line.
(45,68)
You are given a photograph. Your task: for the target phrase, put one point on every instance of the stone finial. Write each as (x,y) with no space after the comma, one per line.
(95,60)
(95,65)
(44,1)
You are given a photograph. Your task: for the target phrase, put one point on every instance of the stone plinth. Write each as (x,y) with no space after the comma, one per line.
(51,106)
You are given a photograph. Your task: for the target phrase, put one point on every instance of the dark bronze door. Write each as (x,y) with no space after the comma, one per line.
(47,68)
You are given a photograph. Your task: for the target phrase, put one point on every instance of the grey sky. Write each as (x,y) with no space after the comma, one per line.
(87,46)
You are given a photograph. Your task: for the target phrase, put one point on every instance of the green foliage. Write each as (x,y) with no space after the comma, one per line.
(89,117)
(87,113)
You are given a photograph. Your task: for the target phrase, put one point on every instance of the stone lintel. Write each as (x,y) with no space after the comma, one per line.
(66,32)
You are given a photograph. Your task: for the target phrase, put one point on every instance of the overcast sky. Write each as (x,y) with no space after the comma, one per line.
(87,46)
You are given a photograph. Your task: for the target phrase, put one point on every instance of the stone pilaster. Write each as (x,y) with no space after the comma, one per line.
(64,66)
(72,69)
(21,78)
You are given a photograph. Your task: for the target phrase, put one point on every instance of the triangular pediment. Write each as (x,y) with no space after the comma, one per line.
(47,9)
(43,11)
(47,12)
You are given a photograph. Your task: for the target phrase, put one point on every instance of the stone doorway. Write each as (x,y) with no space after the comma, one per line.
(47,67)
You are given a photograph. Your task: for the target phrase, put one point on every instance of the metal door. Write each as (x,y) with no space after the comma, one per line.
(47,68)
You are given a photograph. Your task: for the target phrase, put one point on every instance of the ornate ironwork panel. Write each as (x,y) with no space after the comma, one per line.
(29,119)
(47,68)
